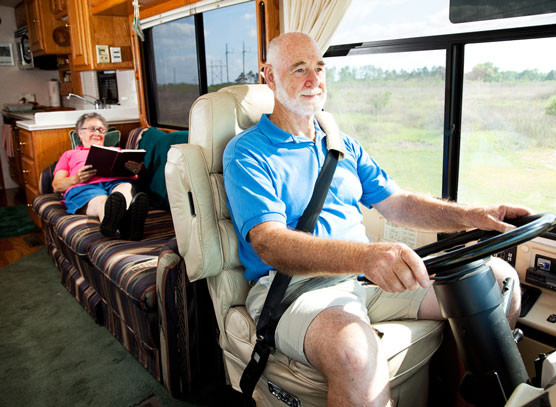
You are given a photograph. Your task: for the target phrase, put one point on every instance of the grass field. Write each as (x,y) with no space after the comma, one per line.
(508,139)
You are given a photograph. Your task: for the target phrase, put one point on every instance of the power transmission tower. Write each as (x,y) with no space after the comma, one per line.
(227,65)
(216,72)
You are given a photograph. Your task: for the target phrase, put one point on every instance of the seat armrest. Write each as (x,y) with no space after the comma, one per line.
(193,213)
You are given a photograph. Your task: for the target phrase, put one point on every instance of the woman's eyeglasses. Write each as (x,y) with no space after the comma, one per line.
(99,130)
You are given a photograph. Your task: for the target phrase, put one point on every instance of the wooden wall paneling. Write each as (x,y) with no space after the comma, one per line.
(271,28)
(136,45)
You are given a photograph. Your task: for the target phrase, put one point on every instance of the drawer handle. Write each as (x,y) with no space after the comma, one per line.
(25,171)
(29,205)
(25,182)
(22,143)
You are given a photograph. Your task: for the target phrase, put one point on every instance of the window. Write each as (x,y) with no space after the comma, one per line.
(175,71)
(496,121)
(508,141)
(189,56)
(231,46)
(393,104)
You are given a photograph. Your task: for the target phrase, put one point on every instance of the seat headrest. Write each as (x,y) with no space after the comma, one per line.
(215,118)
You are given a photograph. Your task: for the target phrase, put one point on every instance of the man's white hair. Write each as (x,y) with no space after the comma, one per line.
(273,53)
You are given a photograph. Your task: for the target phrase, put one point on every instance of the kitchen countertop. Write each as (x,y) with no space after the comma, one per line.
(67,119)
(30,115)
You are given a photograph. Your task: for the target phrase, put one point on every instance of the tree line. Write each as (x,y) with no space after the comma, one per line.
(486,72)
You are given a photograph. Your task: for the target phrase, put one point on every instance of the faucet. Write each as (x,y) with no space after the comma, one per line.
(98,104)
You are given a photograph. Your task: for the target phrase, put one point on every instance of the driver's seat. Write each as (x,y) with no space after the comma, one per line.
(208,243)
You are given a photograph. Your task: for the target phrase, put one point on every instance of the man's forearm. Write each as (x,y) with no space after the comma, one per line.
(421,212)
(392,266)
(295,252)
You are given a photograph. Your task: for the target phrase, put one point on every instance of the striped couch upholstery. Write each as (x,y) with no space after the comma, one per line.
(115,280)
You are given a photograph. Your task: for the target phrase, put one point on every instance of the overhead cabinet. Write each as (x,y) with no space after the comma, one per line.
(59,7)
(47,35)
(97,39)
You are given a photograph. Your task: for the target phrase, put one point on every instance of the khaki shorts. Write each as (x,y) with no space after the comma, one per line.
(367,301)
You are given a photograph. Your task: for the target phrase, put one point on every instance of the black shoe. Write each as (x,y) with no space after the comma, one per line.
(131,227)
(114,211)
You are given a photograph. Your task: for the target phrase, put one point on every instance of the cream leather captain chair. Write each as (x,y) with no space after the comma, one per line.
(208,243)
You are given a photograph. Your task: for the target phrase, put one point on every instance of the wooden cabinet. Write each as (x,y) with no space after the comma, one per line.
(20,16)
(44,29)
(39,149)
(59,8)
(87,31)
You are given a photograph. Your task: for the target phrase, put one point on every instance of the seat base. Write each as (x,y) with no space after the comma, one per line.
(408,345)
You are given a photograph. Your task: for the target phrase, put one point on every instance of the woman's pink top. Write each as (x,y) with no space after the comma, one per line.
(72,160)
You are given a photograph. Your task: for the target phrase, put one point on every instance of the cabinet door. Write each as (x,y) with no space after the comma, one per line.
(42,26)
(81,50)
(33,23)
(59,8)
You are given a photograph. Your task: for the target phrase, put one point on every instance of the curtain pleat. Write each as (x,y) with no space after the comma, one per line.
(318,18)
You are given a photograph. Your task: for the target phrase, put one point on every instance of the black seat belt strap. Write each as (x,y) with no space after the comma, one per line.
(273,307)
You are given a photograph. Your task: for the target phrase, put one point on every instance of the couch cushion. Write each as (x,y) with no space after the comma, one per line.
(130,266)
(79,232)
(49,208)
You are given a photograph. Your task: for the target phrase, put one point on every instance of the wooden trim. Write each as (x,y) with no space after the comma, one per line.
(111,7)
(272,26)
(152,8)
(138,70)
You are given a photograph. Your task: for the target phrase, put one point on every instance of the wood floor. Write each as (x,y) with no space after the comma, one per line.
(14,248)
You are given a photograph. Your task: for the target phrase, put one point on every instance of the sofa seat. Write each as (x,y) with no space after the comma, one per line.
(49,208)
(79,288)
(131,266)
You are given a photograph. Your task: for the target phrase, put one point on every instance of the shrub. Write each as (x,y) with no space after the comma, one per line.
(551,106)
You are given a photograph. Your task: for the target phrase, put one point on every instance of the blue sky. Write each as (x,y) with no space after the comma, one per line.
(175,52)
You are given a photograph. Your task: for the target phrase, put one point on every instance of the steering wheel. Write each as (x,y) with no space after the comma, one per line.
(489,242)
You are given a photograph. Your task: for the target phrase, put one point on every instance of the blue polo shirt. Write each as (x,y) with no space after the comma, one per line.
(270,174)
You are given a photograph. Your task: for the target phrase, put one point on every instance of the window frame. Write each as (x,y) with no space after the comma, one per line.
(454,45)
(149,72)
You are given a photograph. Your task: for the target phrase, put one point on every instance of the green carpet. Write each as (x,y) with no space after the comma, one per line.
(52,353)
(15,221)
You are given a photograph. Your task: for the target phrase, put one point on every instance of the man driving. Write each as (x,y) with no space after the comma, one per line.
(270,172)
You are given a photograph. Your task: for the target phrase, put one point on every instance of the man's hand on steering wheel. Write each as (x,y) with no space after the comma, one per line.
(394,267)
(492,217)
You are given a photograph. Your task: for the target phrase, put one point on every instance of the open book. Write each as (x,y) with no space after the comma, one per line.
(110,161)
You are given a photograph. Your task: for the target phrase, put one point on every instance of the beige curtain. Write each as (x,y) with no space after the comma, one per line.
(318,18)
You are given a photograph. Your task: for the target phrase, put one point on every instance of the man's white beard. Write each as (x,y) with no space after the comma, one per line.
(298,105)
